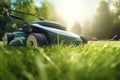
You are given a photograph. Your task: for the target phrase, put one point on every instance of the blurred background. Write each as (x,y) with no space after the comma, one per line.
(95,19)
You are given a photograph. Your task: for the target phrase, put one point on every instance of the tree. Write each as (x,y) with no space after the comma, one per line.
(59,19)
(102,22)
(85,29)
(4,21)
(5,3)
(46,10)
(25,6)
(116,15)
(76,28)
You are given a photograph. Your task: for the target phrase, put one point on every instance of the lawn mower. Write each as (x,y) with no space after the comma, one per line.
(39,33)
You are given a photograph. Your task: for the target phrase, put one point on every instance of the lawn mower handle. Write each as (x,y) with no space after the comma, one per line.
(24,20)
(26,14)
(7,11)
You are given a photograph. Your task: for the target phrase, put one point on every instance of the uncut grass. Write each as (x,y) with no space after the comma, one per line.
(98,60)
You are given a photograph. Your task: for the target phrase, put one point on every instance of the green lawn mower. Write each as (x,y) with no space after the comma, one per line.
(39,33)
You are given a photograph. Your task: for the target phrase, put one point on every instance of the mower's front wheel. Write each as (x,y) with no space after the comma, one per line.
(7,38)
(36,40)
(84,39)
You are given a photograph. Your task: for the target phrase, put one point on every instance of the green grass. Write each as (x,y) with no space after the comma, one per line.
(97,60)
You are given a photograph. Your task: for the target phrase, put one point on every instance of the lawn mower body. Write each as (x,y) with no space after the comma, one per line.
(42,32)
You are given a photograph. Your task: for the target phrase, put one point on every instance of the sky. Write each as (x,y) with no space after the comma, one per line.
(74,10)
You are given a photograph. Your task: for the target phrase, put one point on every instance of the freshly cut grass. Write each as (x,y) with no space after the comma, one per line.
(97,60)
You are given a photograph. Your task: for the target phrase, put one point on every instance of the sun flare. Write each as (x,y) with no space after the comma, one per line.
(72,10)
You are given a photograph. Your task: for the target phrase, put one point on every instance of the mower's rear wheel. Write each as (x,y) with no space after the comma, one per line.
(7,38)
(36,40)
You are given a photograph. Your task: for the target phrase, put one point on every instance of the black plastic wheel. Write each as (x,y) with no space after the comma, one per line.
(7,38)
(36,40)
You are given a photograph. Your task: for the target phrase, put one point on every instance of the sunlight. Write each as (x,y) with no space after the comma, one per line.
(69,16)
(112,7)
(73,10)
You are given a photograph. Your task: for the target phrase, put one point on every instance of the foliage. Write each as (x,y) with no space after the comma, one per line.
(94,61)
(4,21)
(116,15)
(46,10)
(5,3)
(102,22)
(25,6)
(76,28)
(86,29)
(56,17)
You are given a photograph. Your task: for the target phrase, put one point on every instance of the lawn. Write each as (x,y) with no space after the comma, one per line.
(97,60)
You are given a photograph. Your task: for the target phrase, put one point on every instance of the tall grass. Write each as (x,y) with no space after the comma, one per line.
(98,60)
